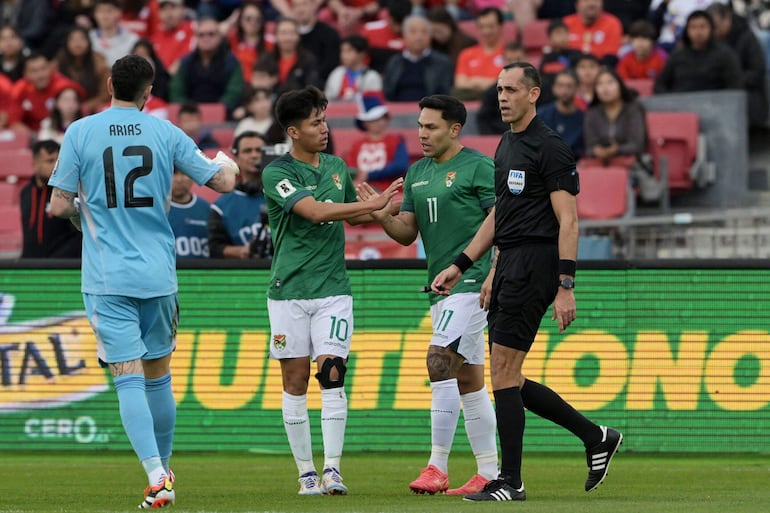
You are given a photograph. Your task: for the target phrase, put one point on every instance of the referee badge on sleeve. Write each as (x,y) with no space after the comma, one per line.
(516,181)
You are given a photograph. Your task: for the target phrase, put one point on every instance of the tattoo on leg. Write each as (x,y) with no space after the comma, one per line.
(443,365)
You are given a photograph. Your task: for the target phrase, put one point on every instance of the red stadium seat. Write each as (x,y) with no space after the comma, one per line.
(534,37)
(10,231)
(673,137)
(343,139)
(14,139)
(212,113)
(643,86)
(224,136)
(9,194)
(605,193)
(370,242)
(16,165)
(486,144)
(341,109)
(173,112)
(510,30)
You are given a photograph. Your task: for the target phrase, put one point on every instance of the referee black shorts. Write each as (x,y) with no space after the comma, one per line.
(524,286)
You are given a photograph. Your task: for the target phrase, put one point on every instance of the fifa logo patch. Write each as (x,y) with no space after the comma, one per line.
(450,178)
(516,181)
(337,181)
(279,342)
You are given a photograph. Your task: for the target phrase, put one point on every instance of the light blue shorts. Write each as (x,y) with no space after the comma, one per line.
(128,328)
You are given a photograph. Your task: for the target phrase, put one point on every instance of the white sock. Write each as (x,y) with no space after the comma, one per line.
(444,414)
(334,416)
(481,426)
(297,424)
(154,469)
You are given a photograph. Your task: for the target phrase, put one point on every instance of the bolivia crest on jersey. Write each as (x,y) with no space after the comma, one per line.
(337,181)
(450,178)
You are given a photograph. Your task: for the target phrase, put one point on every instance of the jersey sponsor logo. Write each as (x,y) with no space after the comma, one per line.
(285,188)
(337,181)
(420,184)
(516,181)
(279,342)
(450,178)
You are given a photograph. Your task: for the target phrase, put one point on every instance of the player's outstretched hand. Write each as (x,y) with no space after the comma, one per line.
(223,159)
(381,201)
(366,193)
(445,280)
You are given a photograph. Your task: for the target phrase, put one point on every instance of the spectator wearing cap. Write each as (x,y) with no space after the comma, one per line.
(108,38)
(593,30)
(174,37)
(352,76)
(380,156)
(34,94)
(418,71)
(210,73)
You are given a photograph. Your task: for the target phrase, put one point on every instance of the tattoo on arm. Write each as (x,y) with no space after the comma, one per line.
(65,195)
(217,181)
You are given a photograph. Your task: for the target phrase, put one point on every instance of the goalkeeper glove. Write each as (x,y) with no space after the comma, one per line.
(222,159)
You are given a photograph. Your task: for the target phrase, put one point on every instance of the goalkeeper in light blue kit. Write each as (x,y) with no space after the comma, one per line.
(120,164)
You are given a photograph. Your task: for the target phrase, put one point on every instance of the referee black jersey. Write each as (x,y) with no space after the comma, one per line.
(528,166)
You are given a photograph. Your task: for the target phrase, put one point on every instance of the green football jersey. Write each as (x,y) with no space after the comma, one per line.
(309,259)
(450,200)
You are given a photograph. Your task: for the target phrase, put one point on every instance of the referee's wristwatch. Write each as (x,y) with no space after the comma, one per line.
(567,283)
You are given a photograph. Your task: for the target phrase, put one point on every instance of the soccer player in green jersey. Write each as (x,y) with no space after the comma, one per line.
(309,298)
(447,195)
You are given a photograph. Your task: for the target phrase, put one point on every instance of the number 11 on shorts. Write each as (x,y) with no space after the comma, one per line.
(443,321)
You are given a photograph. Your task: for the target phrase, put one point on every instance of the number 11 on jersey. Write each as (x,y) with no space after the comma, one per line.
(432,209)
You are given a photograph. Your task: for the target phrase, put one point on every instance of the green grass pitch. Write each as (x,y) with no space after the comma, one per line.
(225,482)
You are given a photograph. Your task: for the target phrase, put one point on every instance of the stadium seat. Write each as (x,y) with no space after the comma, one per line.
(224,136)
(370,242)
(510,30)
(486,144)
(10,231)
(643,86)
(605,193)
(9,194)
(173,112)
(17,165)
(674,139)
(206,193)
(534,37)
(413,146)
(14,139)
(212,113)
(340,109)
(343,139)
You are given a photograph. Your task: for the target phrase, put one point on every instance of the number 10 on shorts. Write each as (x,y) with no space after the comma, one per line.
(339,329)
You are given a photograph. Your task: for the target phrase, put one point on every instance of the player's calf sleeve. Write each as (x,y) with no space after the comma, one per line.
(544,402)
(444,414)
(297,424)
(334,417)
(136,417)
(481,425)
(160,398)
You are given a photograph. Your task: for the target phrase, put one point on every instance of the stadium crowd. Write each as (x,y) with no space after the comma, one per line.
(596,59)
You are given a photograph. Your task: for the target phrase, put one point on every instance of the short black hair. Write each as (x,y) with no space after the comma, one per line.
(695,15)
(554,24)
(643,29)
(131,74)
(35,56)
(513,46)
(297,105)
(189,107)
(398,10)
(49,145)
(359,43)
(531,75)
(451,108)
(586,57)
(720,11)
(266,63)
(246,135)
(491,10)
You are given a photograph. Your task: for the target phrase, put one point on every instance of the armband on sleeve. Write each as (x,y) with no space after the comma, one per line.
(569,182)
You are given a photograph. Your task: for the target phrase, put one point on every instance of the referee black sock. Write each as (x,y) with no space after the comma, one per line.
(509,409)
(544,402)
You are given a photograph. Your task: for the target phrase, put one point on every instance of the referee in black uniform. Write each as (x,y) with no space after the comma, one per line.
(535,229)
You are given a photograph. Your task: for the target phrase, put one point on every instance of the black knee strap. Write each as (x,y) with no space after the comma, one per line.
(324,377)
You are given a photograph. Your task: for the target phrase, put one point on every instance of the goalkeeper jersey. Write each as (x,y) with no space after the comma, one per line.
(450,200)
(120,162)
(309,259)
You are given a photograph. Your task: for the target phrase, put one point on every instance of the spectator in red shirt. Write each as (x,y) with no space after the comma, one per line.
(384,36)
(478,66)
(350,13)
(174,37)
(645,60)
(35,93)
(7,110)
(140,16)
(247,41)
(380,156)
(592,30)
